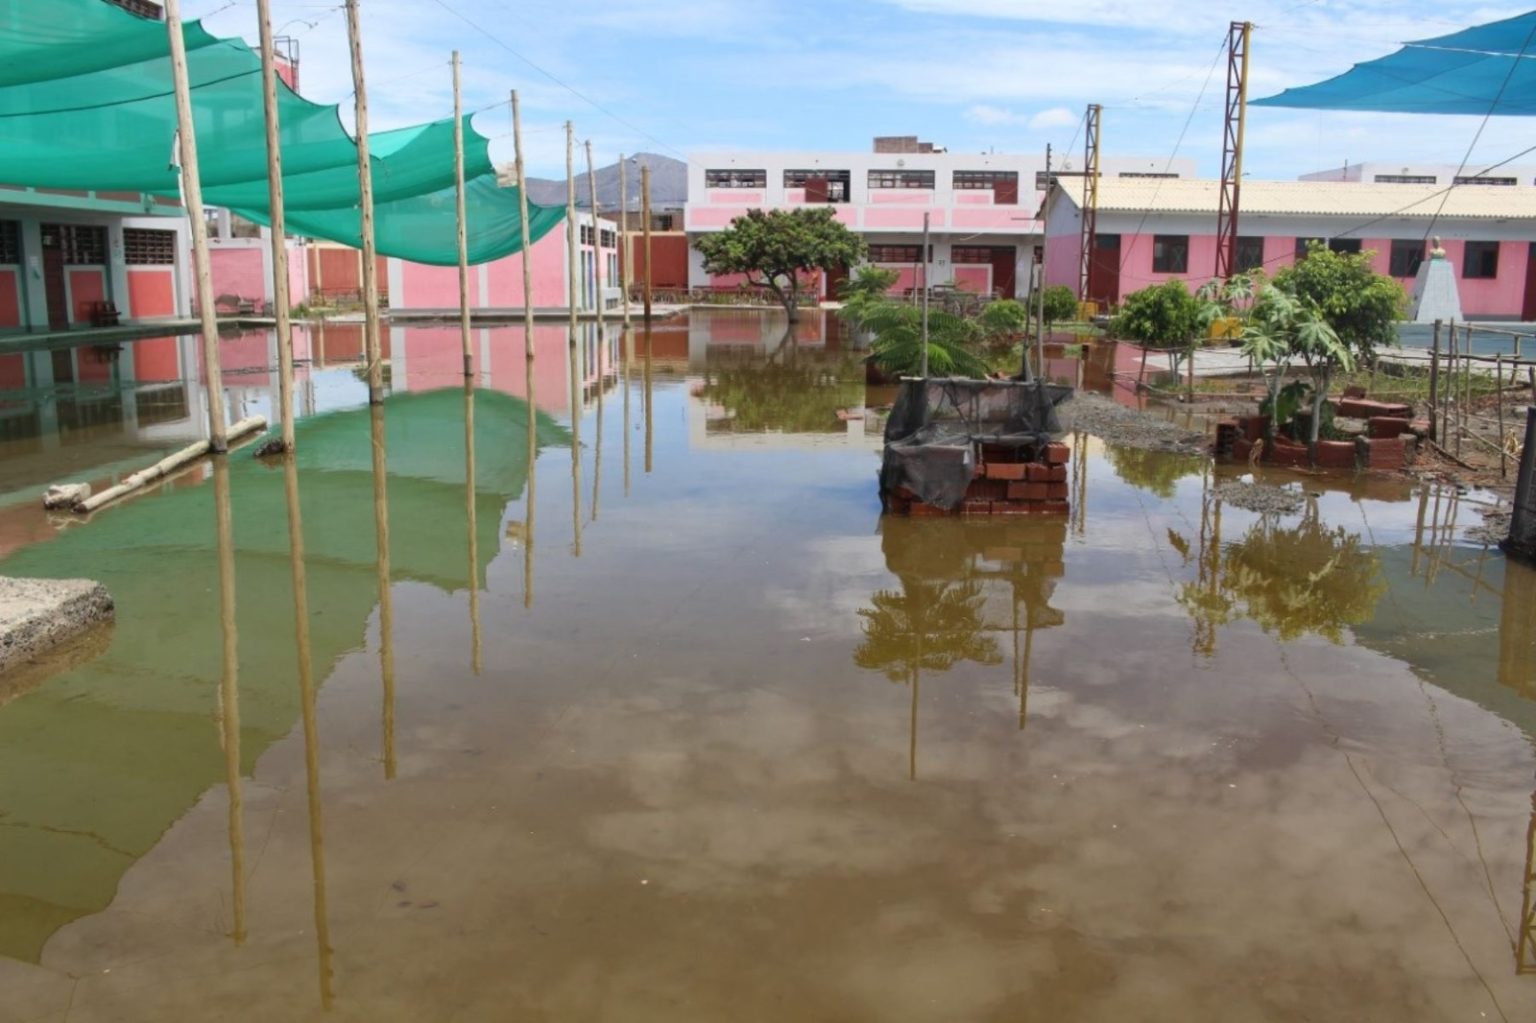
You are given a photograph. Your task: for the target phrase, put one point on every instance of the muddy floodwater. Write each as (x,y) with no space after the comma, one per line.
(628,705)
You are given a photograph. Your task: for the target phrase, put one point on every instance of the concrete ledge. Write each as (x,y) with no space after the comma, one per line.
(37,615)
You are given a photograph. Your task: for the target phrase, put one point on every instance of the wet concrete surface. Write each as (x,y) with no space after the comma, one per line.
(664,723)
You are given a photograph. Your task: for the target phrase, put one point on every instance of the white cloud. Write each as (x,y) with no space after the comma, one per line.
(1055,117)
(984,113)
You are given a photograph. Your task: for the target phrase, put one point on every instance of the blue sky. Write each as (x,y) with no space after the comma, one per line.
(678,76)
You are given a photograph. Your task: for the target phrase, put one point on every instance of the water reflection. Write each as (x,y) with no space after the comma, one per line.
(471,526)
(229,689)
(788,390)
(948,573)
(382,572)
(1155,471)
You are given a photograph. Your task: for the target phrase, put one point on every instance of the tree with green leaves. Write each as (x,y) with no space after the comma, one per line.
(1060,304)
(773,248)
(952,341)
(1281,328)
(1164,316)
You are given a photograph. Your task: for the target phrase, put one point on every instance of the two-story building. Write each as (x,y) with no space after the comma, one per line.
(981,207)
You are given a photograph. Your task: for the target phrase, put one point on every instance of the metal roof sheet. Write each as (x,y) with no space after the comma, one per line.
(1311,198)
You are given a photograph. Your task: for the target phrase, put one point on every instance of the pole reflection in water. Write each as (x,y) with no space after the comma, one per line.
(650,401)
(533,473)
(386,601)
(1517,629)
(311,731)
(597,446)
(629,354)
(229,690)
(470,522)
(576,409)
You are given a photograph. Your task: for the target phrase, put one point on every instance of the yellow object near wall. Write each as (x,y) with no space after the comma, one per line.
(1227,328)
(1086,311)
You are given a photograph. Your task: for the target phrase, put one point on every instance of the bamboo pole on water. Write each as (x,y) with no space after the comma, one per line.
(458,205)
(229,692)
(1434,386)
(572,233)
(645,226)
(160,470)
(369,252)
(597,245)
(297,571)
(192,196)
(626,257)
(277,226)
(528,349)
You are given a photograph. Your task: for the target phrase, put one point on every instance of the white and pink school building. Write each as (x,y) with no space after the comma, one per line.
(1150,231)
(982,207)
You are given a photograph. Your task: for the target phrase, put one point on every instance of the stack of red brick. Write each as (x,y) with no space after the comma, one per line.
(1390,441)
(1007,481)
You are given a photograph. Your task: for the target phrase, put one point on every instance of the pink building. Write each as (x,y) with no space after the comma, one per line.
(1150,231)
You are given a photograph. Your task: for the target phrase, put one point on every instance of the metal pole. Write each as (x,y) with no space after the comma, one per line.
(926,262)
(626,256)
(192,195)
(527,257)
(463,240)
(369,254)
(280,297)
(645,225)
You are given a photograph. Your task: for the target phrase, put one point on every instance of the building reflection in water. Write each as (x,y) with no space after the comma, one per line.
(229,689)
(951,574)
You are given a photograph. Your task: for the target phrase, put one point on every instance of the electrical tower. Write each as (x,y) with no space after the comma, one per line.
(1232,148)
(1090,196)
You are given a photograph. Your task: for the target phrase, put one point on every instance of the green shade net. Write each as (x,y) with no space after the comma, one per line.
(86,102)
(99,761)
(1486,69)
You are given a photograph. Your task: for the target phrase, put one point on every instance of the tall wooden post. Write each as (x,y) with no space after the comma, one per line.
(626,257)
(527,257)
(597,247)
(645,225)
(369,253)
(573,230)
(192,196)
(458,178)
(280,297)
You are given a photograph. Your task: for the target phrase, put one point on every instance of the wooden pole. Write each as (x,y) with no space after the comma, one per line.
(645,225)
(522,201)
(626,257)
(1434,385)
(650,402)
(926,289)
(317,289)
(386,598)
(192,196)
(458,196)
(572,234)
(1499,390)
(280,297)
(597,247)
(369,253)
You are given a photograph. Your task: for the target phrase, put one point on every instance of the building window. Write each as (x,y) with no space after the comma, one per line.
(1250,253)
(1405,179)
(609,239)
(820,185)
(10,242)
(665,222)
(901,179)
(147,247)
(970,254)
(1170,253)
(1302,244)
(81,244)
(732,178)
(1148,174)
(1004,185)
(906,254)
(1406,256)
(1481,260)
(1480,179)
(1350,246)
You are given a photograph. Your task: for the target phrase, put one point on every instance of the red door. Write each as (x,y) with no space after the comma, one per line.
(1004,260)
(835,278)
(1528,309)
(53,288)
(1005,192)
(1104,270)
(815,189)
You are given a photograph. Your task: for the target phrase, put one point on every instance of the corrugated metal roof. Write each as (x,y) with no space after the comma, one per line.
(1311,198)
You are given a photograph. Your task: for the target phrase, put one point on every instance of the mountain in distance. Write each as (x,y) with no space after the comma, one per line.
(669,184)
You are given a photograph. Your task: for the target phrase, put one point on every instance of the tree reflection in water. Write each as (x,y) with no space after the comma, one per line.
(1154,471)
(787,390)
(937,618)
(1309,578)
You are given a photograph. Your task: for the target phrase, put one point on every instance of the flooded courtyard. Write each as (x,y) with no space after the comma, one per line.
(625,703)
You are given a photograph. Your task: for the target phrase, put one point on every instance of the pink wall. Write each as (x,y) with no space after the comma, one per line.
(151,292)
(13,372)
(919,196)
(238,272)
(156,360)
(10,298)
(1014,218)
(717,216)
(734,197)
(437,287)
(87,284)
(909,219)
(432,287)
(974,278)
(1503,295)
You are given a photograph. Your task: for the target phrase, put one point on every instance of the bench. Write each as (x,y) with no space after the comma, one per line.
(103,314)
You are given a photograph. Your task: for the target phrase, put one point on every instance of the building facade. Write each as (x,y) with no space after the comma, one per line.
(1149,232)
(982,207)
